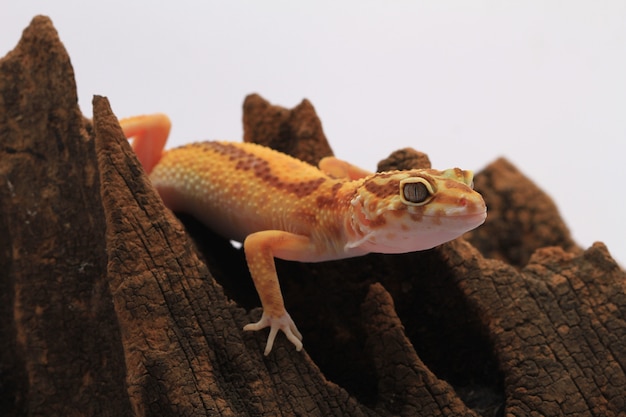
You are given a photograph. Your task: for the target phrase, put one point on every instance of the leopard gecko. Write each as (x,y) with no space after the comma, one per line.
(281,207)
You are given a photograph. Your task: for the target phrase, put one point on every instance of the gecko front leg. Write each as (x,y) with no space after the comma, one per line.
(261,248)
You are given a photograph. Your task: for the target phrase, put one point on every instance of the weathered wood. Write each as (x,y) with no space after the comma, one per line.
(297,132)
(522,218)
(60,345)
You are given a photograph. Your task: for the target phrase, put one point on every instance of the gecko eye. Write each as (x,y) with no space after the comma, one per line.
(415,191)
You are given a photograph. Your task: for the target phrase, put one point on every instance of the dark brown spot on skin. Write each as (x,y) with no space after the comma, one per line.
(324,201)
(452,184)
(378,222)
(417,217)
(382,190)
(261,169)
(231,151)
(447,199)
(399,212)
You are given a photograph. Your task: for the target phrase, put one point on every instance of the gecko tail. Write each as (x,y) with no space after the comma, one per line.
(149,134)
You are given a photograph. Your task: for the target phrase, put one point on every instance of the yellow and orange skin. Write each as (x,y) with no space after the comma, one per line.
(281,207)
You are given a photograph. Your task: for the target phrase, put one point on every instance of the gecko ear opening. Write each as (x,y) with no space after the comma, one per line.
(416,191)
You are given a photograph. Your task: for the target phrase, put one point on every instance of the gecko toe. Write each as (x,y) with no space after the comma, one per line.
(295,338)
(283,323)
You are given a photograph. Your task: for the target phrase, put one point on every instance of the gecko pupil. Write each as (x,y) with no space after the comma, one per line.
(415,192)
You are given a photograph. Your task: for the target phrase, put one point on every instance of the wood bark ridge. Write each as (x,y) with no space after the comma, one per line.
(112,306)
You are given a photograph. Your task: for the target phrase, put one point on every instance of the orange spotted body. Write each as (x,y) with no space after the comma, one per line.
(281,207)
(237,189)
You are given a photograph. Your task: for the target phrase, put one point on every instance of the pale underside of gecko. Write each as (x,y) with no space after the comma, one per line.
(281,207)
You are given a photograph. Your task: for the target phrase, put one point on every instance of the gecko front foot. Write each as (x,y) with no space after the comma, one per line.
(284,323)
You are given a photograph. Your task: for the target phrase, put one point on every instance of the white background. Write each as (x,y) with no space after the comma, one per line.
(542,83)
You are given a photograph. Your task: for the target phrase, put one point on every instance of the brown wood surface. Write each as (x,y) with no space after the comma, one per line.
(110,305)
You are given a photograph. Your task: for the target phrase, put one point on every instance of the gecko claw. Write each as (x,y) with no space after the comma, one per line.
(284,323)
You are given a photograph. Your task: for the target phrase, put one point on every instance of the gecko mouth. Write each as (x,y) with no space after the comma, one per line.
(461,221)
(471,216)
(482,214)
(459,213)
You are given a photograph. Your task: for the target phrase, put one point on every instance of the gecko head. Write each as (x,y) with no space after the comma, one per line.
(406,211)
